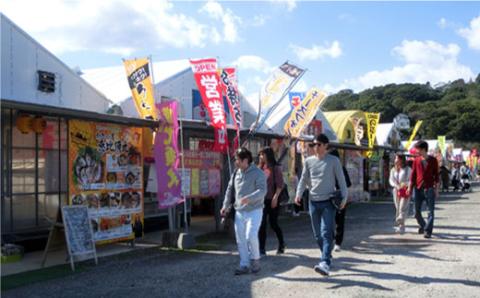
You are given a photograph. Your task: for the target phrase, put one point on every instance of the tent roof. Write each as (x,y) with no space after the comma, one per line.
(112,81)
(340,119)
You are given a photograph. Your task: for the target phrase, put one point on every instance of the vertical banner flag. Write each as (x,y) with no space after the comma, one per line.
(304,113)
(166,156)
(208,82)
(441,145)
(295,99)
(229,84)
(414,133)
(273,91)
(372,123)
(140,82)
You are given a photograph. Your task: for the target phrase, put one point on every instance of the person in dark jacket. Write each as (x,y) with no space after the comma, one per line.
(275,184)
(340,215)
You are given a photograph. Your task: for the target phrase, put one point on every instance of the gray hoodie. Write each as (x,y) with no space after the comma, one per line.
(250,184)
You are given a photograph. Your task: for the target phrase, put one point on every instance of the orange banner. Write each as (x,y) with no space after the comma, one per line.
(140,82)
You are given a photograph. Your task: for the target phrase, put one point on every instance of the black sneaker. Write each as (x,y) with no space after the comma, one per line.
(427,235)
(420,231)
(242,270)
(281,249)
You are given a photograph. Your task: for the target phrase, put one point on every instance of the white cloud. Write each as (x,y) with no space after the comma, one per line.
(115,26)
(316,52)
(425,61)
(472,33)
(290,4)
(253,63)
(259,20)
(442,23)
(229,19)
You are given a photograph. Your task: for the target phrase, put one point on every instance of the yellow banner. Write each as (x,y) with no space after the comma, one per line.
(414,133)
(140,82)
(304,112)
(372,124)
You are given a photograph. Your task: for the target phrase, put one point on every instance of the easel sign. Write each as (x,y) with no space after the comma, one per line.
(79,233)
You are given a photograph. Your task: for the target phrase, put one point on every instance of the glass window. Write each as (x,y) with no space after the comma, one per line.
(48,206)
(49,138)
(24,211)
(23,171)
(23,140)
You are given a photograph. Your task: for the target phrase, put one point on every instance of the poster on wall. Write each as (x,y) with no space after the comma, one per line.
(203,168)
(354,166)
(106,174)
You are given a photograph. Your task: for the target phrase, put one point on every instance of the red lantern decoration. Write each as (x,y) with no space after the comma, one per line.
(24,123)
(39,124)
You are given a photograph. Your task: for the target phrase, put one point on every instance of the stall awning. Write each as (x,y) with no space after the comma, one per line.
(341,123)
(77,114)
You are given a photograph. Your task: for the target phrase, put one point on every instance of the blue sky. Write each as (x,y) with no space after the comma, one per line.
(355,45)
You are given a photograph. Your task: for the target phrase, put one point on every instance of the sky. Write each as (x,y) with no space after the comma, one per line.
(343,45)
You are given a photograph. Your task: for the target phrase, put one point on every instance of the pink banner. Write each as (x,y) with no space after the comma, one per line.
(208,82)
(166,156)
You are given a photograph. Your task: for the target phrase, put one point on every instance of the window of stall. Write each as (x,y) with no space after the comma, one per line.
(34,164)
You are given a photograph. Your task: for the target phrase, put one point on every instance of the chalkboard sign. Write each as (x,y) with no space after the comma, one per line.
(78,232)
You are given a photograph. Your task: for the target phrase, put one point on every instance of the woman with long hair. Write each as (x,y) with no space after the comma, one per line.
(275,184)
(399,180)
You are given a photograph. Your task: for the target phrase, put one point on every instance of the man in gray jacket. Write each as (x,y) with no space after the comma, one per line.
(248,185)
(320,171)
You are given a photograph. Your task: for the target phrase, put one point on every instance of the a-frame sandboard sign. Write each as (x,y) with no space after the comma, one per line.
(79,233)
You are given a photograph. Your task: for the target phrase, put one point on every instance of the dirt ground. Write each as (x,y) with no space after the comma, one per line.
(374,262)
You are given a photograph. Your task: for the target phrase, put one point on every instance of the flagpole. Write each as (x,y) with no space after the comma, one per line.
(290,87)
(185,218)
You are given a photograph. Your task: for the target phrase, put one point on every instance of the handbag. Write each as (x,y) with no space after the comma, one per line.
(402,193)
(336,198)
(230,213)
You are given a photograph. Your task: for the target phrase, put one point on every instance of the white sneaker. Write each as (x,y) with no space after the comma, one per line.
(295,214)
(337,248)
(322,268)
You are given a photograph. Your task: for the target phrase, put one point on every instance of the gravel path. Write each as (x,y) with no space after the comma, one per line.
(375,262)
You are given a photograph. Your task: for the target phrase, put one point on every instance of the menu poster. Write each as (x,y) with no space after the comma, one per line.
(195,180)
(213,181)
(204,169)
(106,166)
(78,232)
(186,181)
(204,182)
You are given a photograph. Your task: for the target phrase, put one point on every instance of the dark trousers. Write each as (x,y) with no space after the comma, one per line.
(427,195)
(340,225)
(272,214)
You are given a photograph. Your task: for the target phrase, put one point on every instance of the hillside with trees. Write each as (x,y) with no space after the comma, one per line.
(451,109)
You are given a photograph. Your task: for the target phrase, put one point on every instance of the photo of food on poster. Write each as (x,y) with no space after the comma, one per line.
(106,166)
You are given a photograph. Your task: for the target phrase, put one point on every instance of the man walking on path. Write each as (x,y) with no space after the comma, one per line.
(320,172)
(424,182)
(249,187)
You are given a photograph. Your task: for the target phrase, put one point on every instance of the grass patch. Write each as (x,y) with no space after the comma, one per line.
(40,275)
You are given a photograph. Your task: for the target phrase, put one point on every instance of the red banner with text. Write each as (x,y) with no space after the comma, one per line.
(208,82)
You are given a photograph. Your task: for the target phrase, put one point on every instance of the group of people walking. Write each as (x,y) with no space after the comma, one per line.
(421,183)
(253,192)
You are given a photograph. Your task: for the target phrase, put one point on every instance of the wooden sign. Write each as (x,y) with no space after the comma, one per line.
(78,232)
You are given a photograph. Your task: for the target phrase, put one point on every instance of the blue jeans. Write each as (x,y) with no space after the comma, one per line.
(322,214)
(427,195)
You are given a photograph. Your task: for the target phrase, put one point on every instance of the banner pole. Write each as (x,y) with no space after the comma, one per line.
(185,218)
